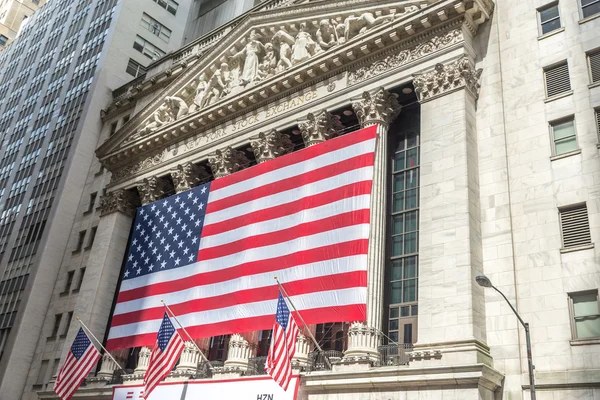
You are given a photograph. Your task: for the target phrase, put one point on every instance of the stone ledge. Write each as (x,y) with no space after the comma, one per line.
(552,33)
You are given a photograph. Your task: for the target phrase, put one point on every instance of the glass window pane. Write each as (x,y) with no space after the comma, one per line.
(397,224)
(585,304)
(405,311)
(412,179)
(411,199)
(396,270)
(396,293)
(549,13)
(411,139)
(410,290)
(588,327)
(397,245)
(410,221)
(410,243)
(398,182)
(408,334)
(414,310)
(394,312)
(412,159)
(563,130)
(394,336)
(565,145)
(410,267)
(551,25)
(398,202)
(394,325)
(591,9)
(400,145)
(399,161)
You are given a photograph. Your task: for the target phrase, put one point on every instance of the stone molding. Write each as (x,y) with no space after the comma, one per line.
(319,127)
(120,200)
(188,175)
(446,78)
(267,146)
(139,166)
(152,189)
(227,161)
(378,107)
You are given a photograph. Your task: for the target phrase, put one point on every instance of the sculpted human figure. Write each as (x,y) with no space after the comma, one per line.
(176,106)
(269,63)
(357,25)
(283,41)
(326,35)
(200,89)
(218,86)
(304,46)
(160,117)
(250,56)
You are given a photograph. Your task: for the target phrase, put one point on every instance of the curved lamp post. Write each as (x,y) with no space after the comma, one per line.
(485,282)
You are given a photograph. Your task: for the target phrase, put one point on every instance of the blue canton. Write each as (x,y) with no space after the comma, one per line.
(167,233)
(283,313)
(80,345)
(165,332)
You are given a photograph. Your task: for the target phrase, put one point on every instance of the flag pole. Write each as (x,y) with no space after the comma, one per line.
(186,332)
(299,316)
(100,344)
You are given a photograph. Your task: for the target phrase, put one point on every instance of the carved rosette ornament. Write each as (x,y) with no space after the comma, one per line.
(319,127)
(267,146)
(227,161)
(152,189)
(188,175)
(121,200)
(455,75)
(379,107)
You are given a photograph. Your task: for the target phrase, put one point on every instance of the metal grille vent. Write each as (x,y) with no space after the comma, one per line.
(594,60)
(575,226)
(597,111)
(557,80)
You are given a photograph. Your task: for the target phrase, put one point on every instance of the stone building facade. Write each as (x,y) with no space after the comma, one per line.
(486,163)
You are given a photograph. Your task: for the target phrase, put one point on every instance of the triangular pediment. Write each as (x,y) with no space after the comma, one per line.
(270,52)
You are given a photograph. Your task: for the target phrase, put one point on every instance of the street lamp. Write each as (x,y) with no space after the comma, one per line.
(485,282)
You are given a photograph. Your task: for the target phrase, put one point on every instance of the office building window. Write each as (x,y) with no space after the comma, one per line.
(557,79)
(590,7)
(594,65)
(549,18)
(92,202)
(3,40)
(169,5)
(126,119)
(69,282)
(134,69)
(92,237)
(564,139)
(585,314)
(155,27)
(113,126)
(80,280)
(80,240)
(56,326)
(41,379)
(67,324)
(147,48)
(575,226)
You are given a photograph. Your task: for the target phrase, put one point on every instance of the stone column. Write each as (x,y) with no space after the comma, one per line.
(319,126)
(238,353)
(152,189)
(269,145)
(143,361)
(374,108)
(300,359)
(451,321)
(108,367)
(188,362)
(227,161)
(188,175)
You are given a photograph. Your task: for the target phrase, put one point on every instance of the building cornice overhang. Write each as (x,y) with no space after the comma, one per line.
(124,148)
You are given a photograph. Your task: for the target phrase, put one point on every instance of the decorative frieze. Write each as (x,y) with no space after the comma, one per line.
(269,145)
(152,189)
(143,165)
(121,200)
(319,127)
(403,57)
(378,107)
(227,161)
(452,76)
(188,175)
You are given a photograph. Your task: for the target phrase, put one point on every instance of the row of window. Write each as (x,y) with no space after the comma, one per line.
(563,134)
(169,5)
(69,282)
(549,15)
(147,48)
(556,76)
(81,240)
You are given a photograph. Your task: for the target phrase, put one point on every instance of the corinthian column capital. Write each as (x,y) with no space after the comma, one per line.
(152,189)
(227,161)
(378,107)
(188,175)
(446,78)
(269,145)
(120,200)
(319,126)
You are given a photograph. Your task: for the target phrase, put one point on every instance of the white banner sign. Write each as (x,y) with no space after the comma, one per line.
(263,388)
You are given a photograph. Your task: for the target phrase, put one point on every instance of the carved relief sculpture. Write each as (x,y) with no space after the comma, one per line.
(160,117)
(445,78)
(218,86)
(227,161)
(120,200)
(152,189)
(283,42)
(188,175)
(319,127)
(304,46)
(200,89)
(379,107)
(250,56)
(267,67)
(176,106)
(356,25)
(267,146)
(326,35)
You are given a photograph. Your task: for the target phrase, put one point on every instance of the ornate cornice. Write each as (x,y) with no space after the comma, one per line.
(378,107)
(319,127)
(120,200)
(188,175)
(227,161)
(447,78)
(267,146)
(152,189)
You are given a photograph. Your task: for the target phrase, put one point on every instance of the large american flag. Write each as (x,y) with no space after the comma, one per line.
(211,253)
(82,357)
(165,354)
(283,345)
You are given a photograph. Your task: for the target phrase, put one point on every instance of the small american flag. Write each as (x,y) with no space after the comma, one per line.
(80,360)
(169,346)
(283,345)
